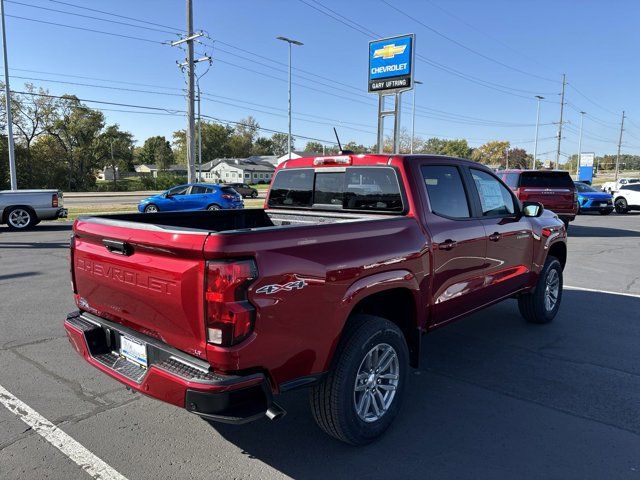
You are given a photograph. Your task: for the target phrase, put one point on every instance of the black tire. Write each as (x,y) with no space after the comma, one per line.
(20,218)
(605,212)
(532,305)
(566,223)
(621,205)
(151,208)
(254,194)
(333,399)
(213,207)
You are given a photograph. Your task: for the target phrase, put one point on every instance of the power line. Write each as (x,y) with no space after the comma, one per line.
(15,2)
(176,30)
(462,45)
(129,37)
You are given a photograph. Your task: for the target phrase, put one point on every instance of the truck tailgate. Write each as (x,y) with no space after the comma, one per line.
(146,277)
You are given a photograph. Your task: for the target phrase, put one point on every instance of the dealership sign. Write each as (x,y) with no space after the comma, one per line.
(586,159)
(391,64)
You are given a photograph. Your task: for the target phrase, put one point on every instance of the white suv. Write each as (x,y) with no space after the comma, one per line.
(627,198)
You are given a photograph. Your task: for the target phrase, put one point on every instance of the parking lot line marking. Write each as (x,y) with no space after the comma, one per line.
(584,289)
(89,462)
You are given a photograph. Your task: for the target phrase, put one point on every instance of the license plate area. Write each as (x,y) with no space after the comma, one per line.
(134,350)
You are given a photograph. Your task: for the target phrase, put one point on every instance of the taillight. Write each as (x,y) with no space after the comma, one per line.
(72,247)
(54,200)
(229,315)
(522,195)
(228,196)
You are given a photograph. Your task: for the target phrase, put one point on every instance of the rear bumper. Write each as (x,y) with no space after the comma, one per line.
(171,376)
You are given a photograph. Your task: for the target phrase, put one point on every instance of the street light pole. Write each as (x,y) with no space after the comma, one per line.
(579,146)
(199,134)
(535,145)
(290,42)
(7,92)
(413,114)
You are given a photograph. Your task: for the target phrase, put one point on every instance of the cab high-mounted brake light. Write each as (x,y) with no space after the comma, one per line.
(228,314)
(341,160)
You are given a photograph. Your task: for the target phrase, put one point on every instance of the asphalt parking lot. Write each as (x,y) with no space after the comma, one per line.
(495,397)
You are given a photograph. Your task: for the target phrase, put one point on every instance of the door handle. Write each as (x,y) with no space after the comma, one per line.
(447,244)
(116,246)
(495,237)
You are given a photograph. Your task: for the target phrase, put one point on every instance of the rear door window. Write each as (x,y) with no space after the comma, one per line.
(546,180)
(446,191)
(198,190)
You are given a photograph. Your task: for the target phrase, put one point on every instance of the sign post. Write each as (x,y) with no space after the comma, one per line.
(391,73)
(585,173)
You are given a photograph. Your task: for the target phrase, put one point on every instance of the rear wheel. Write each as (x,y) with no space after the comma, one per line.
(21,218)
(606,212)
(542,305)
(361,395)
(213,207)
(621,205)
(151,208)
(254,194)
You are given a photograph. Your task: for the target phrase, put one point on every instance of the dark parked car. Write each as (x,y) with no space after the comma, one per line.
(243,189)
(553,188)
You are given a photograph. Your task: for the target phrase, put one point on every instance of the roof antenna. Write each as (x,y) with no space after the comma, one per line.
(341,152)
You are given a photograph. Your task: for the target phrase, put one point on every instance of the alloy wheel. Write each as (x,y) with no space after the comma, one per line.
(376,382)
(19,218)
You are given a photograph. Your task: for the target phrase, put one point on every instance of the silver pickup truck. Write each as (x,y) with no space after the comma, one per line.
(23,209)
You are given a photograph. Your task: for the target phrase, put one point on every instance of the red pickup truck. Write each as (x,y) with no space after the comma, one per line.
(330,286)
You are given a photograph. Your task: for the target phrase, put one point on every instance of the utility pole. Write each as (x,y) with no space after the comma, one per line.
(506,165)
(190,99)
(619,145)
(535,145)
(579,146)
(413,114)
(564,82)
(7,92)
(190,66)
(199,135)
(290,42)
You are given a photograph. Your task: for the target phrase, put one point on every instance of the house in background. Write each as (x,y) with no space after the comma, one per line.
(237,170)
(297,154)
(179,170)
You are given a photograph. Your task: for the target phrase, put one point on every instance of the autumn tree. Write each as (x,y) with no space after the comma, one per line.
(492,153)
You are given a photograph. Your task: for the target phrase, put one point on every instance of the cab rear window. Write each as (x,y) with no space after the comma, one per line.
(545,180)
(355,188)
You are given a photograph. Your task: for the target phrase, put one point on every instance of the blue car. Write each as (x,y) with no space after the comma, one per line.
(592,200)
(194,196)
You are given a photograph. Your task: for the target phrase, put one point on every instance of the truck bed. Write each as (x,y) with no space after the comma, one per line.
(229,220)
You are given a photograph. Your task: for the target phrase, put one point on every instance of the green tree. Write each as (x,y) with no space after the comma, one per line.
(280,143)
(155,151)
(440,146)
(262,146)
(312,147)
(215,142)
(492,153)
(114,149)
(76,128)
(355,147)
(519,158)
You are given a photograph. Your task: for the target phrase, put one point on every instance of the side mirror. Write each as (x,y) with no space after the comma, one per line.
(532,209)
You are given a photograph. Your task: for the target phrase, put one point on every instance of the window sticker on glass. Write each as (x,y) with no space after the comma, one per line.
(490,194)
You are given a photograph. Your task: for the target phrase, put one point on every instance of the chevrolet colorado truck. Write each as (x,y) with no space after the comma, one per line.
(330,286)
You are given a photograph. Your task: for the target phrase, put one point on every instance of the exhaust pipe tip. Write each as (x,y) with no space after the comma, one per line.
(275,412)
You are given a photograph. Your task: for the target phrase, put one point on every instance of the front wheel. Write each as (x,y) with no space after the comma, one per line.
(21,218)
(542,305)
(151,208)
(254,194)
(621,205)
(361,395)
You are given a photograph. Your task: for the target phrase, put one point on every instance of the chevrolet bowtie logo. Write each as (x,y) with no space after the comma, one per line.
(389,51)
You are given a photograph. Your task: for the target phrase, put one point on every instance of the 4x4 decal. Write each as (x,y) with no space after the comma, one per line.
(287,287)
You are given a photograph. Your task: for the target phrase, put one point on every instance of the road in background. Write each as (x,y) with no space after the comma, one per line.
(495,397)
(87,199)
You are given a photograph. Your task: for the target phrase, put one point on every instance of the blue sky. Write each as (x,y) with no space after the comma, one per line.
(529,44)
